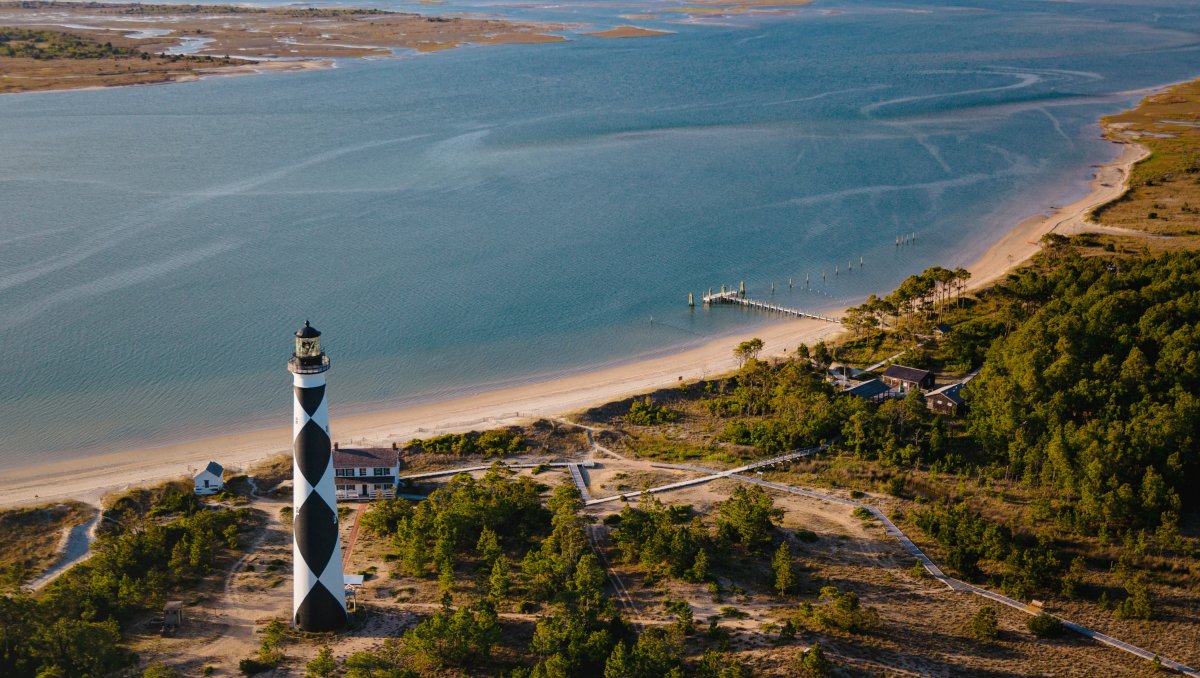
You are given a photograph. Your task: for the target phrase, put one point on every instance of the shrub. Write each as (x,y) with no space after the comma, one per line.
(159,670)
(806,535)
(985,625)
(838,610)
(250,667)
(1045,626)
(323,665)
(645,413)
(812,663)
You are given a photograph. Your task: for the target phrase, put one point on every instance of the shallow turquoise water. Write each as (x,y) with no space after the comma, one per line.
(491,214)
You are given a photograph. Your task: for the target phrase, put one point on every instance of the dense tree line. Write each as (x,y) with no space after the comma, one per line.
(493,443)
(1094,392)
(429,536)
(669,541)
(1028,565)
(490,523)
(777,408)
(74,627)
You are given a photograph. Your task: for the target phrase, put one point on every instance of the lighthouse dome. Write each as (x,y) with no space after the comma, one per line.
(307,332)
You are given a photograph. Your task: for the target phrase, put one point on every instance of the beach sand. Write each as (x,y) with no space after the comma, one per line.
(1021,242)
(90,478)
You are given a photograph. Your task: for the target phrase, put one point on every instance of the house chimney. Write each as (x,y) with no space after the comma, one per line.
(335,446)
(395,446)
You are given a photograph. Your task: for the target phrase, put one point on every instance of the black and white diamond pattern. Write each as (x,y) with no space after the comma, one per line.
(319,600)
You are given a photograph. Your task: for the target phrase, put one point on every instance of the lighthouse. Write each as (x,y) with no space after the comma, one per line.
(318,595)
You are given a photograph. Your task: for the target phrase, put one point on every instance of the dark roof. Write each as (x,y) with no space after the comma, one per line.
(354,457)
(903,373)
(869,389)
(367,480)
(941,327)
(951,392)
(307,332)
(214,468)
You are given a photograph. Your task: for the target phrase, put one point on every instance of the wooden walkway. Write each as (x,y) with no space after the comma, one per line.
(734,297)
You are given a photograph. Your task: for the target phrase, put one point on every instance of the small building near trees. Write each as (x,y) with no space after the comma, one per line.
(210,479)
(362,473)
(874,391)
(907,378)
(945,400)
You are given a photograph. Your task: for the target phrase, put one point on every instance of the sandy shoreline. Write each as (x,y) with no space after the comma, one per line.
(90,478)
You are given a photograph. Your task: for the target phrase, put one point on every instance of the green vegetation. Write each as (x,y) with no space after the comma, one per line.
(39,44)
(748,350)
(1094,394)
(968,538)
(778,409)
(645,413)
(838,610)
(785,570)
(984,625)
(160,544)
(748,517)
(30,536)
(461,638)
(1163,196)
(474,530)
(812,663)
(666,541)
(1045,626)
(494,443)
(911,309)
(323,665)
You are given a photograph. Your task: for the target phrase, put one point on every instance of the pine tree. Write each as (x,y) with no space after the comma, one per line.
(488,546)
(323,665)
(699,571)
(785,575)
(499,581)
(813,662)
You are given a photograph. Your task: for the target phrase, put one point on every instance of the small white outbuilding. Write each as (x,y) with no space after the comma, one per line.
(209,480)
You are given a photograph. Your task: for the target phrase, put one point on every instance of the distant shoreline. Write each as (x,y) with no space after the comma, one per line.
(89,478)
(61,46)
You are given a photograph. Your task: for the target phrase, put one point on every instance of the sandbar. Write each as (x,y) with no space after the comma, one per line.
(629,32)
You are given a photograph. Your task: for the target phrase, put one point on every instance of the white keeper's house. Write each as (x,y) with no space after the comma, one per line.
(362,473)
(210,479)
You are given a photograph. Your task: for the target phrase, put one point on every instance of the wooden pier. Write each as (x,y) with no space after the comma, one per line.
(736,297)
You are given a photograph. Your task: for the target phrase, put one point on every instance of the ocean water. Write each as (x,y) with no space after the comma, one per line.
(487,215)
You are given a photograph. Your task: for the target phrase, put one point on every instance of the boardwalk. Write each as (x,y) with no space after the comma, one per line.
(733,297)
(713,474)
(595,534)
(956,585)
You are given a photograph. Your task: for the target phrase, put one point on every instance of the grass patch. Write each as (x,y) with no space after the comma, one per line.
(29,538)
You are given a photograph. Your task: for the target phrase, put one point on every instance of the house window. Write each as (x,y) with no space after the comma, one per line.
(381,471)
(206,482)
(362,471)
(343,472)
